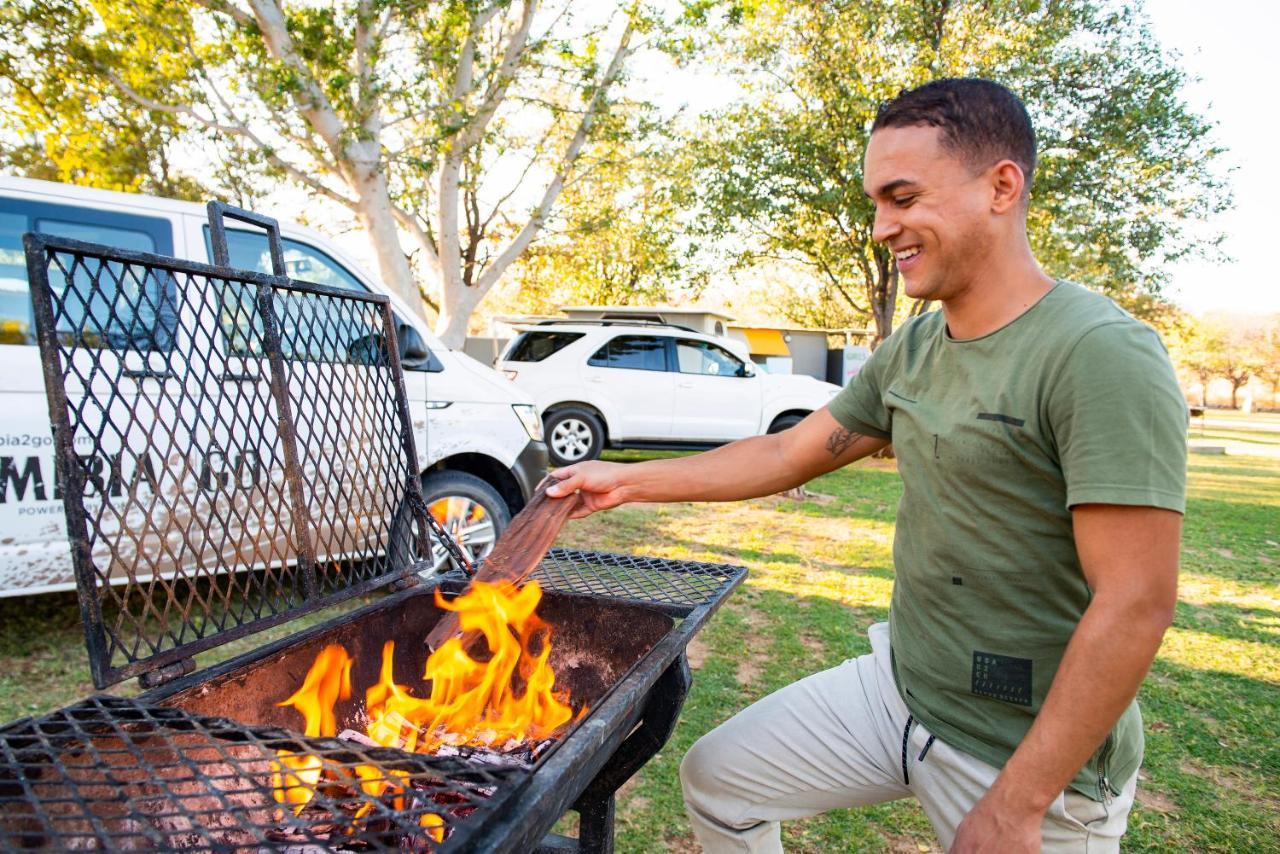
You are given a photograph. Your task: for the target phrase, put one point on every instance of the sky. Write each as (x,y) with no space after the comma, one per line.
(1229,46)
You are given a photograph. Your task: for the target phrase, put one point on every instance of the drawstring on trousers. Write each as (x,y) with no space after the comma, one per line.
(906,735)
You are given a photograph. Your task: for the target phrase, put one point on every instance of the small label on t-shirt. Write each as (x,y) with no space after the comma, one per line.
(1002,677)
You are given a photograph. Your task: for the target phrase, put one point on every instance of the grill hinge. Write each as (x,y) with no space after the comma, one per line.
(169,672)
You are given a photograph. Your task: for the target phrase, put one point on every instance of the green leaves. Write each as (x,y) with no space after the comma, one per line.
(1126,167)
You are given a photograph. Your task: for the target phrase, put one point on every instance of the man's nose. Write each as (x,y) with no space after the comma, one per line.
(885,226)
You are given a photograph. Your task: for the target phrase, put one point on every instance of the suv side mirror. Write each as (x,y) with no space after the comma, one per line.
(747,370)
(415,355)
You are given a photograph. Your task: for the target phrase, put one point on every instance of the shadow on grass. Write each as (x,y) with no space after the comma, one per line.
(1212,759)
(1233,622)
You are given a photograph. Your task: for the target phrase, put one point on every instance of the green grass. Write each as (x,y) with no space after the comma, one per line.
(822,571)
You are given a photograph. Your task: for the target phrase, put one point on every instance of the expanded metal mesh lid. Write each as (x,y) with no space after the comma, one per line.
(118,774)
(234,449)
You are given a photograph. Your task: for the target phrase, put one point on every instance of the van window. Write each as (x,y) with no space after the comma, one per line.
(637,352)
(125,312)
(535,345)
(248,251)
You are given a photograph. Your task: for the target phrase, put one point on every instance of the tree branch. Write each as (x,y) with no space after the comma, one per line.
(535,222)
(475,127)
(309,98)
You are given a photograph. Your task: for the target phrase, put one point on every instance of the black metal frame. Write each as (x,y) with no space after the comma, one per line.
(81,266)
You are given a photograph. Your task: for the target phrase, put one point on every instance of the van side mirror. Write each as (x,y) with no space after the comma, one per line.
(746,370)
(415,355)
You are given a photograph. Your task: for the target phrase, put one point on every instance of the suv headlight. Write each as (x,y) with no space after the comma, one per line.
(528,416)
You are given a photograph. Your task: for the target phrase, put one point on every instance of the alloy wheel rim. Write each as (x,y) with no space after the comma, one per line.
(470,525)
(571,439)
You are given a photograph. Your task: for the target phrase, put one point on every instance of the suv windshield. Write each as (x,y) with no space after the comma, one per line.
(534,346)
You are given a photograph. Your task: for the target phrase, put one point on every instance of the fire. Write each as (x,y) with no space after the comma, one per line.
(505,698)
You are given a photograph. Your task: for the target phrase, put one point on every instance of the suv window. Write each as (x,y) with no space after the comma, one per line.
(701,357)
(151,327)
(637,352)
(534,346)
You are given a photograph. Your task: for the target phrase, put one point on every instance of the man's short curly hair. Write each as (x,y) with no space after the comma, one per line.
(981,121)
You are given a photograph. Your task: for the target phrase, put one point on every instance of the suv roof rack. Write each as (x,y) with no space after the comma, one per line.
(619,323)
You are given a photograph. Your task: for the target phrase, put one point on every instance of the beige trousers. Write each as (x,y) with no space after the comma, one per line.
(836,739)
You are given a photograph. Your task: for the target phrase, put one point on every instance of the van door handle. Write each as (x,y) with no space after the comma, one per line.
(149,374)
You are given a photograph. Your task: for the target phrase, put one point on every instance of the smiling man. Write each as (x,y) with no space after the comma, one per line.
(1040,436)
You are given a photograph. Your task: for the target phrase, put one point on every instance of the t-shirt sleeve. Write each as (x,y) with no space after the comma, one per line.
(859,406)
(1119,420)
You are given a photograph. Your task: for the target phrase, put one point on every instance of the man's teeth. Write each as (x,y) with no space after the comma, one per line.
(907,253)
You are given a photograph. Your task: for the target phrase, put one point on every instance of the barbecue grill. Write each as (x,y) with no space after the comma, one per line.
(235,450)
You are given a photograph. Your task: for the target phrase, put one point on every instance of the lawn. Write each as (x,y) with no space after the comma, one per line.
(821,572)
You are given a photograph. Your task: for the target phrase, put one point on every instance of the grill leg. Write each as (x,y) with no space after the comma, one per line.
(595,827)
(596,803)
(662,710)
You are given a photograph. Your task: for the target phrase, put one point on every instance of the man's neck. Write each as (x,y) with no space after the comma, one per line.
(1005,292)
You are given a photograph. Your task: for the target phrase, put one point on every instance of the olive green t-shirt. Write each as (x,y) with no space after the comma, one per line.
(997,438)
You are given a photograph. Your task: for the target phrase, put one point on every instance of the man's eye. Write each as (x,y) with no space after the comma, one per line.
(903,201)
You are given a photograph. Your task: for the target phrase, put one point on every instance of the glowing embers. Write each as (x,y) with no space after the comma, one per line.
(488,701)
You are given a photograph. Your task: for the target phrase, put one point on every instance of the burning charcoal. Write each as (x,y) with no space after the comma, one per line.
(357,737)
(482,756)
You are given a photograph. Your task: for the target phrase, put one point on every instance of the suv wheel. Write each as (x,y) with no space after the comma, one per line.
(573,434)
(467,507)
(785,422)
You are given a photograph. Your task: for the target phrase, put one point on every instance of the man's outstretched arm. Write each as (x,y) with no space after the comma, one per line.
(748,468)
(1130,559)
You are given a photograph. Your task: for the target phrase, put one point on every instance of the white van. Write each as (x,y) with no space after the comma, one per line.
(479,438)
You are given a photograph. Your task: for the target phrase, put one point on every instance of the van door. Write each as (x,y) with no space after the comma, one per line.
(34,553)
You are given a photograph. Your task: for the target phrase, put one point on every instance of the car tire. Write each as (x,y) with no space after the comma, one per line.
(573,435)
(465,505)
(785,422)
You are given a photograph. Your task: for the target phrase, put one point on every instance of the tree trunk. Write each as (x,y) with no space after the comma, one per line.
(456,305)
(883,295)
(375,213)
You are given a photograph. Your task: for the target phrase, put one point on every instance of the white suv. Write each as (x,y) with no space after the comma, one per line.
(649,385)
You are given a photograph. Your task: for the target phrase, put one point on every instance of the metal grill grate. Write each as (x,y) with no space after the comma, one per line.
(682,585)
(233,448)
(122,775)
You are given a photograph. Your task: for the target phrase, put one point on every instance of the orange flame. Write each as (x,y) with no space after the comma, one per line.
(507,698)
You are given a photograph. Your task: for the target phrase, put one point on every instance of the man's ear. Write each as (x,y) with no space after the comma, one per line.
(1007,182)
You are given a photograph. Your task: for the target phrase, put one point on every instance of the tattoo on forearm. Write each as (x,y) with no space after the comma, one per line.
(840,440)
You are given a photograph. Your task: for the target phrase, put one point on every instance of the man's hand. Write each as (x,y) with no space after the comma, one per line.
(992,827)
(601,484)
